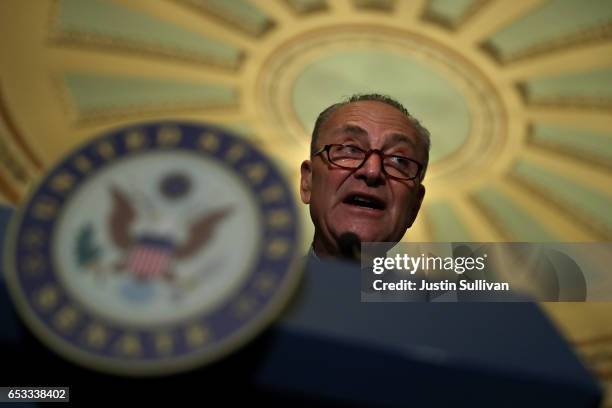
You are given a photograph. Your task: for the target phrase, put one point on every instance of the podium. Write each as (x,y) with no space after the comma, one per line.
(332,345)
(331,349)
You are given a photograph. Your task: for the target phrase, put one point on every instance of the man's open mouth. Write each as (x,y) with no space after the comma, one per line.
(360,200)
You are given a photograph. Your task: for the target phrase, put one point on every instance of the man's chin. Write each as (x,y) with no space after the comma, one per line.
(363,236)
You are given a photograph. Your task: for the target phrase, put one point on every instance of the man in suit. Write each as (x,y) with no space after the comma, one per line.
(364,177)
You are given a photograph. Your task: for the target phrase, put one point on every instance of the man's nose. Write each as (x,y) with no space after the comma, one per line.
(371,171)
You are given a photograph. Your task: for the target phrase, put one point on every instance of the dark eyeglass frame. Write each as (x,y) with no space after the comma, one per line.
(368,153)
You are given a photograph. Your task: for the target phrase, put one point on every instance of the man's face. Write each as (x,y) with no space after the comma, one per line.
(331,191)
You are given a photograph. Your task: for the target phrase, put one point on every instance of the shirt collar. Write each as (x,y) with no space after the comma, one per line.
(313,255)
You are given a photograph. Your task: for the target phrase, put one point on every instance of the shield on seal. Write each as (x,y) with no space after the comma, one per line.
(150,258)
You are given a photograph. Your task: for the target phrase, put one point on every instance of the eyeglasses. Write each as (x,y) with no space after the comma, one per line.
(352,157)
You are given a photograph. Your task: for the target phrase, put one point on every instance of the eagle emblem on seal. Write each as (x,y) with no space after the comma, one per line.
(151,242)
(150,255)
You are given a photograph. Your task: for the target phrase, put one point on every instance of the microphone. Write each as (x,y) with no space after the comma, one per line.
(350,246)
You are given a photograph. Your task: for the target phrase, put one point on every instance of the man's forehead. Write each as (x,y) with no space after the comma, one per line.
(363,117)
(359,133)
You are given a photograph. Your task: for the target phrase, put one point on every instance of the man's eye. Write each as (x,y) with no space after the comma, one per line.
(399,161)
(350,149)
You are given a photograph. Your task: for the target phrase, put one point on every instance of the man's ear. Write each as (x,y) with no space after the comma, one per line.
(417,204)
(306,181)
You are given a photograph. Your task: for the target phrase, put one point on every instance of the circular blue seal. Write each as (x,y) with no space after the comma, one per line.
(154,249)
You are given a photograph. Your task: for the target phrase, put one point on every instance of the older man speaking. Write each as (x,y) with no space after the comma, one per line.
(364,176)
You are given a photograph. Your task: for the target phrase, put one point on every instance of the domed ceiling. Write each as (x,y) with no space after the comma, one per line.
(517,96)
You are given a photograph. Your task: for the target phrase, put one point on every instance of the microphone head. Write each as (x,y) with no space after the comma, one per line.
(350,246)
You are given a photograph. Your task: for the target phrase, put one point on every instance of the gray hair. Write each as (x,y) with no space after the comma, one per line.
(421,131)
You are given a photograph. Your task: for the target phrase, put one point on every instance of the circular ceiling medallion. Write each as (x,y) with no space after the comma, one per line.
(319,68)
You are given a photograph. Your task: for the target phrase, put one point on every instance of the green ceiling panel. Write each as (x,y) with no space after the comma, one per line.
(93,93)
(445,224)
(240,13)
(569,193)
(449,10)
(512,219)
(129,27)
(555,19)
(305,6)
(382,5)
(592,84)
(572,140)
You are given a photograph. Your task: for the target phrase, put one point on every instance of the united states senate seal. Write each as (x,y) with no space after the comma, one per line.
(154,249)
